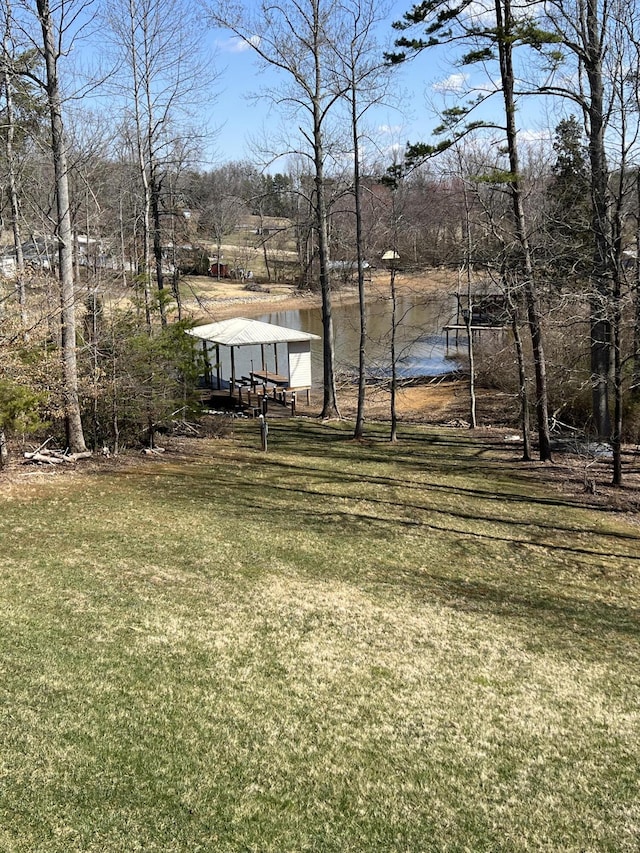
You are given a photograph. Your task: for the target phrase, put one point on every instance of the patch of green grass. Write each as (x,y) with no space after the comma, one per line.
(334,646)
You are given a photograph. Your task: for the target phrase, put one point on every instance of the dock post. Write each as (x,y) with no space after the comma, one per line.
(264,432)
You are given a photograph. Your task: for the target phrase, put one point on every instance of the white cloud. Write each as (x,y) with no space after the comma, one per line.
(452,83)
(396,149)
(390,129)
(481,12)
(530,135)
(238,45)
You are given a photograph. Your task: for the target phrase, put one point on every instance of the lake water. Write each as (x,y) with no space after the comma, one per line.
(420,340)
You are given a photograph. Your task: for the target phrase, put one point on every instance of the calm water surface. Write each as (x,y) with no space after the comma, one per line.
(420,341)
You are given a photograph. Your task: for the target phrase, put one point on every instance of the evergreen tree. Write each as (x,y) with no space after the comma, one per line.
(567,245)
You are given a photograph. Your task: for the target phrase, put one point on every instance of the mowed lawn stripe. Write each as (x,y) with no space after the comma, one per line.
(227,650)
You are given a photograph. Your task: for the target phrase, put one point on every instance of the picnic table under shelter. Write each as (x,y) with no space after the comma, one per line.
(238,332)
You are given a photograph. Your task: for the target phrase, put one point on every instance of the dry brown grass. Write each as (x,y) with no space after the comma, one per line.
(208,299)
(335,646)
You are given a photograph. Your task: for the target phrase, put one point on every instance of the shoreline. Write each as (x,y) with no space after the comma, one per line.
(441,400)
(223,300)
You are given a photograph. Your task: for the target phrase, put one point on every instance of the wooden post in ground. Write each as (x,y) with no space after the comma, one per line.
(264,432)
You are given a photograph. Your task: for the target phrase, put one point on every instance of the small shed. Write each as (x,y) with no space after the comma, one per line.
(241,332)
(218,270)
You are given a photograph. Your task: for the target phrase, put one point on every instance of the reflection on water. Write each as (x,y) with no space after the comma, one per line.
(420,341)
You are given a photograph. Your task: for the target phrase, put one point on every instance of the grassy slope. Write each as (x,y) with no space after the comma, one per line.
(330,647)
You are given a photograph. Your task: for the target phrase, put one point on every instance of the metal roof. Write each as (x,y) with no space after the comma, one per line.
(239,332)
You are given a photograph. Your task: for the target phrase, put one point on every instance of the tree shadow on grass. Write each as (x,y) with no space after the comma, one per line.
(288,489)
(424,484)
(568,618)
(308,514)
(516,590)
(277,504)
(434,456)
(483,517)
(325,476)
(563,620)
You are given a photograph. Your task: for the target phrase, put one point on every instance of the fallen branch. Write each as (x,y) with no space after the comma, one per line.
(43,445)
(84,454)
(49,458)
(54,457)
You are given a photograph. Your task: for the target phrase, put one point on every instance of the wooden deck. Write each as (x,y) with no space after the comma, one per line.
(246,402)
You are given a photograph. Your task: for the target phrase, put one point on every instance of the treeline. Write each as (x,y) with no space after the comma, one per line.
(105,209)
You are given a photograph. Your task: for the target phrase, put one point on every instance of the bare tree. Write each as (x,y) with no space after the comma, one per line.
(160,71)
(490,40)
(488,239)
(8,85)
(581,28)
(507,25)
(362,78)
(57,27)
(295,37)
(461,166)
(602,42)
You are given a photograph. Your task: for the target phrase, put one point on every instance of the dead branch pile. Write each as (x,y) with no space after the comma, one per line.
(49,456)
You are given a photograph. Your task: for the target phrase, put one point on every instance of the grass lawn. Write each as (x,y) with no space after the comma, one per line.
(330,647)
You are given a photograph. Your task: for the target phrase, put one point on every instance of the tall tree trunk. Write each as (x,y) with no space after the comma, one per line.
(362,343)
(144,176)
(330,397)
(617,243)
(4,449)
(522,374)
(601,227)
(469,315)
(11,176)
(175,274)
(154,189)
(616,432)
(635,384)
(263,243)
(505,48)
(468,320)
(75,435)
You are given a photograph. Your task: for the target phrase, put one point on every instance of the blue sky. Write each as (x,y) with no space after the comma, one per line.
(240,117)
(422,85)
(231,119)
